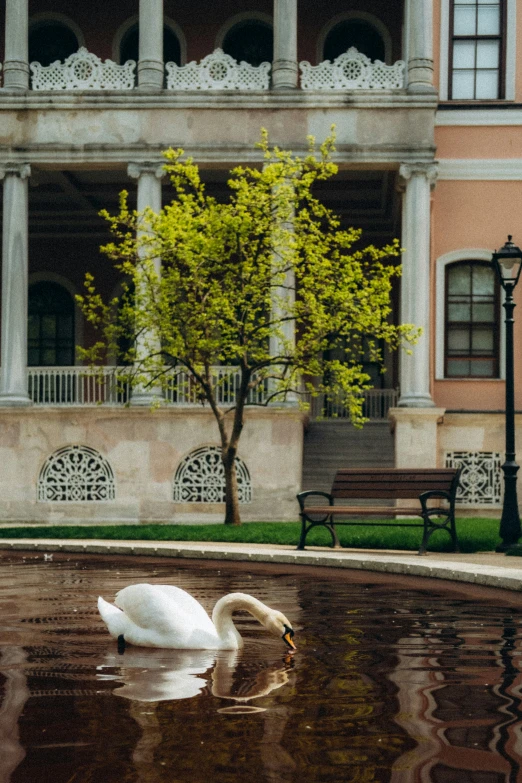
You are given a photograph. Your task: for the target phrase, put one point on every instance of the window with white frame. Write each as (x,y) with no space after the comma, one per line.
(472,330)
(477,49)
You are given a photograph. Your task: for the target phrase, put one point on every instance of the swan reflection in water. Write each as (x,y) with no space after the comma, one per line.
(152,675)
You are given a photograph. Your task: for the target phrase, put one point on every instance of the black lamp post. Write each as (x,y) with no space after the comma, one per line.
(508,263)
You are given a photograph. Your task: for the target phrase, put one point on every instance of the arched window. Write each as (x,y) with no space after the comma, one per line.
(76,474)
(200,478)
(354,32)
(472,321)
(130,45)
(251,40)
(51,326)
(51,40)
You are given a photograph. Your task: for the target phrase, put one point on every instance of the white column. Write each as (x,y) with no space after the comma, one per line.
(420,45)
(16,65)
(415,282)
(150,63)
(149,176)
(284,66)
(13,384)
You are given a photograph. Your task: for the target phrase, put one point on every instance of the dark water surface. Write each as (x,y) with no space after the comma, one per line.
(394,680)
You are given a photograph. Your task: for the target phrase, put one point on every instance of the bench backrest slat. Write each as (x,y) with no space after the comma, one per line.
(390,483)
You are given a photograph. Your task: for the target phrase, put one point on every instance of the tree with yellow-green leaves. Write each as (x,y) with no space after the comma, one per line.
(266,281)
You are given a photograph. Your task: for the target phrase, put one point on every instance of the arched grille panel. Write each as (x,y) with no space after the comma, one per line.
(200,478)
(76,474)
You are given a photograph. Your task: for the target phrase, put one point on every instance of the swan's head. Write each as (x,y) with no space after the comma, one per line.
(279,625)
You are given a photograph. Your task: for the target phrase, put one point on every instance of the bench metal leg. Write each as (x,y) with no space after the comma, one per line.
(430,527)
(328,525)
(304,531)
(333,532)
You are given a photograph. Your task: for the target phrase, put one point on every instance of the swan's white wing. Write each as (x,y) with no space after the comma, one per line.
(165,616)
(189,605)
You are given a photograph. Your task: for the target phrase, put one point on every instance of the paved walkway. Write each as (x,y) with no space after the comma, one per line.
(485,568)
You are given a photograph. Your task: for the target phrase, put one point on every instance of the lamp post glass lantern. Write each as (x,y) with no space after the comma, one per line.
(508,264)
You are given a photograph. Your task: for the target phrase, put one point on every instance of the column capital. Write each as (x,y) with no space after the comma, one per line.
(22,170)
(135,170)
(428,170)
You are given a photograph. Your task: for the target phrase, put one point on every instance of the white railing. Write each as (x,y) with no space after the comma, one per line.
(183,389)
(75,386)
(218,71)
(100,386)
(377,403)
(83,71)
(352,71)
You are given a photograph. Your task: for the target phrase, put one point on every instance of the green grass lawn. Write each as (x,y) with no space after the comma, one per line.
(475,535)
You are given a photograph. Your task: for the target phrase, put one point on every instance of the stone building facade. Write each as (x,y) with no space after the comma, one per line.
(425,96)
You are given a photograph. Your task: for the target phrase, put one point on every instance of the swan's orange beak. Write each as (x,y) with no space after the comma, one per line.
(287,638)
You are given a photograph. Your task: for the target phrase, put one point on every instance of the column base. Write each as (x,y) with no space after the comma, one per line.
(150,75)
(284,75)
(15,401)
(420,76)
(146,400)
(421,88)
(416,439)
(16,75)
(416,401)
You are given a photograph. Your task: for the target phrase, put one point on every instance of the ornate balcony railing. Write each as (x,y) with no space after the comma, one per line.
(83,71)
(377,403)
(101,386)
(218,71)
(352,71)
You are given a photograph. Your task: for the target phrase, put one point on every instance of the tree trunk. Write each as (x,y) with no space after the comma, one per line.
(231,493)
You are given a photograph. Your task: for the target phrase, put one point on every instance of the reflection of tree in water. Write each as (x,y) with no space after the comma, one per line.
(341,726)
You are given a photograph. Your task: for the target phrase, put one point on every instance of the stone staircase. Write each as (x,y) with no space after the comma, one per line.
(330,444)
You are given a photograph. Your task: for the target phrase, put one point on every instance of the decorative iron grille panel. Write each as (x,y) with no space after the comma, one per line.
(480,480)
(200,478)
(75,474)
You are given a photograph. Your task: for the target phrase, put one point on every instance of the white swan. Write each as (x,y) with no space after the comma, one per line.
(166,616)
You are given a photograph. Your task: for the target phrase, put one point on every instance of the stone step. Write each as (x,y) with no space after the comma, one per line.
(330,445)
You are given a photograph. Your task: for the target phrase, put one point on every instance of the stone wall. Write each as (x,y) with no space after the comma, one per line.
(144,449)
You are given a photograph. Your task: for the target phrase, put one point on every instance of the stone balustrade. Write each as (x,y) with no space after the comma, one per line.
(352,71)
(218,71)
(83,71)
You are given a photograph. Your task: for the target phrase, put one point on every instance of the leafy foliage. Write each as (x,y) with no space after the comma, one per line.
(266,281)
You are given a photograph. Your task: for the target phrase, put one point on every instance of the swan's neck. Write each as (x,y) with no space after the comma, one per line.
(222,615)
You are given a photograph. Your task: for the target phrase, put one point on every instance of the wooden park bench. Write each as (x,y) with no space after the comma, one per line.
(423,484)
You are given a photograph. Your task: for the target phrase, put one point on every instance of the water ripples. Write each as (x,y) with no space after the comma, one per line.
(391,682)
